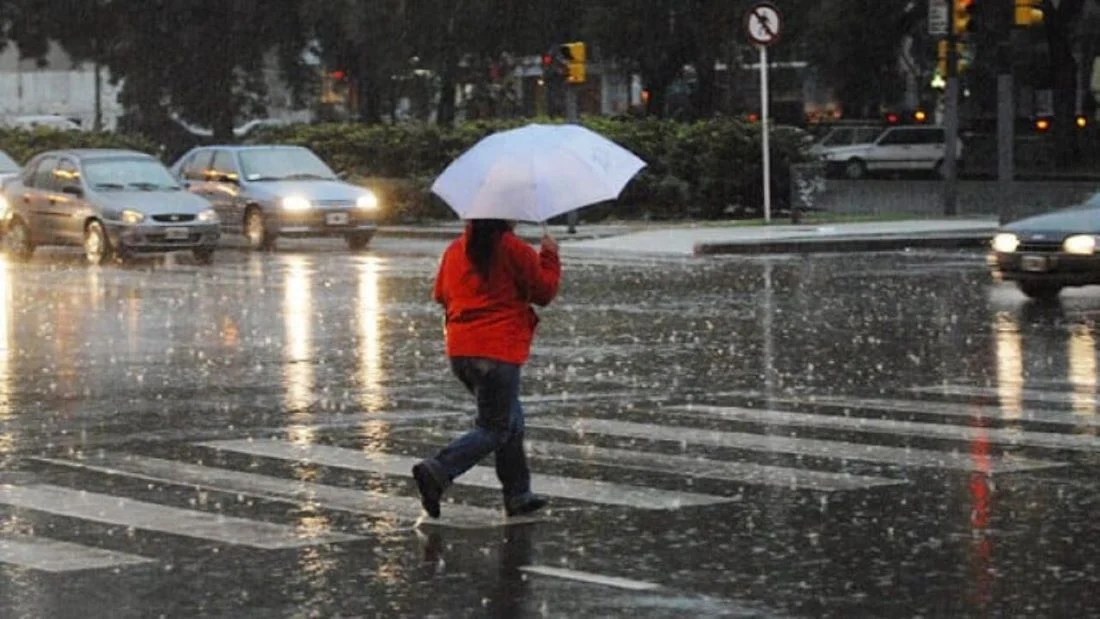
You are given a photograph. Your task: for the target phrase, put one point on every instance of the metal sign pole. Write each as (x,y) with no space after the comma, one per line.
(764,130)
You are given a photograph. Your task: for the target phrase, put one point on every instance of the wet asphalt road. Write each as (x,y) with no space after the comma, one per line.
(887,434)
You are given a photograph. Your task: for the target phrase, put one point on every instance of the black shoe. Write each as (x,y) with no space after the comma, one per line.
(430,489)
(525,504)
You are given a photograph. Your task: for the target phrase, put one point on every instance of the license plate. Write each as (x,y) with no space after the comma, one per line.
(336,219)
(1034,264)
(177,234)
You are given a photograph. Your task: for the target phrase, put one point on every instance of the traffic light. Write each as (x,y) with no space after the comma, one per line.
(941,57)
(575,59)
(1028,13)
(963,14)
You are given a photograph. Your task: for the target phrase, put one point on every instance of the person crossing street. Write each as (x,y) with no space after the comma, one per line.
(487,282)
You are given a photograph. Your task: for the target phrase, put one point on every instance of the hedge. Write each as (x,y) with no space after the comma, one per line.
(707,169)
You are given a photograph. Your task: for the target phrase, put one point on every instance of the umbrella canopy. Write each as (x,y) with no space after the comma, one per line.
(535,172)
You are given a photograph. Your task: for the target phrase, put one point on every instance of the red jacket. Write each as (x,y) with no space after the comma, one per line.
(495,320)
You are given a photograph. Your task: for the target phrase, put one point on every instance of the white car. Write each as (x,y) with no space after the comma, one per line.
(897,149)
(50,121)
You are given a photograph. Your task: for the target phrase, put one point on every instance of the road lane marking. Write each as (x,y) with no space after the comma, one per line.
(49,555)
(1000,436)
(171,520)
(904,456)
(589,577)
(590,491)
(749,473)
(288,490)
(1034,395)
(947,409)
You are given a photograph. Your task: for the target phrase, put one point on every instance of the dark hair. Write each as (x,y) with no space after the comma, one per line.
(484,235)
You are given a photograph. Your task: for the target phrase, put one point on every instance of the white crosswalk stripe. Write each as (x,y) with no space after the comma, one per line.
(690,466)
(838,450)
(1031,395)
(480,476)
(50,555)
(163,519)
(965,410)
(1000,436)
(402,508)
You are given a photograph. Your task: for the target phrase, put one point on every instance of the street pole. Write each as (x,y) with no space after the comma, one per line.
(1006,109)
(572,117)
(951,119)
(764,132)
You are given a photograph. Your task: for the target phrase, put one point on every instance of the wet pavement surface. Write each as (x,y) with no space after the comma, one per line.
(881,434)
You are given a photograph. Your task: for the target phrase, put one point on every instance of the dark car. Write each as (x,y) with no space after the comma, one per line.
(1048,252)
(110,202)
(267,192)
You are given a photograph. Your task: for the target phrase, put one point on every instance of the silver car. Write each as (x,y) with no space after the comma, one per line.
(110,202)
(267,192)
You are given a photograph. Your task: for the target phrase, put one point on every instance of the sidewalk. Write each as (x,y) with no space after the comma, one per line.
(689,240)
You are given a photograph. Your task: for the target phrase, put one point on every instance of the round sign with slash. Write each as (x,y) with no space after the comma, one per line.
(762,23)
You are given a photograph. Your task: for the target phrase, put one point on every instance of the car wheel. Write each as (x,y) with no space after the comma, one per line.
(1040,291)
(358,242)
(97,247)
(855,169)
(259,237)
(18,240)
(203,255)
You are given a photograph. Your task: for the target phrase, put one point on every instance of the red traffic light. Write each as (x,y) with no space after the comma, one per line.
(547,60)
(892,118)
(337,75)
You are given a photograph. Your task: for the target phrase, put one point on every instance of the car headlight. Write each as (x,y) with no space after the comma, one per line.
(209,216)
(1080,244)
(132,217)
(1005,242)
(296,203)
(367,201)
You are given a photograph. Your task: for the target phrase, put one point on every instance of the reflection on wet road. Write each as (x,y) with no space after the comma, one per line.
(838,435)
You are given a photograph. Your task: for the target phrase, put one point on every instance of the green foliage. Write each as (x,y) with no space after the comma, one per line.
(704,169)
(22,144)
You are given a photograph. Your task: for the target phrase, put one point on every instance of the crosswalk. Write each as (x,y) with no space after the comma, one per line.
(646,460)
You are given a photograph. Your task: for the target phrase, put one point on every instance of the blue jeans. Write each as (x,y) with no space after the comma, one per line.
(499,425)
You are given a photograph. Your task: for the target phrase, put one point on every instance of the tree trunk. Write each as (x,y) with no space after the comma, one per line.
(1063,78)
(223,123)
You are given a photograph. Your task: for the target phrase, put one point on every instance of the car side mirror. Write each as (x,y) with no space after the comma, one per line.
(73,190)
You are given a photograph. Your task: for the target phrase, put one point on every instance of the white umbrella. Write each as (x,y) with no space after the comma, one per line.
(535,172)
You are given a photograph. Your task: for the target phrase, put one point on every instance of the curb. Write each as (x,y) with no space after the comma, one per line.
(848,244)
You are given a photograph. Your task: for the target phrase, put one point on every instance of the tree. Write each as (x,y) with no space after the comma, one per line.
(856,45)
(649,37)
(1059,19)
(203,60)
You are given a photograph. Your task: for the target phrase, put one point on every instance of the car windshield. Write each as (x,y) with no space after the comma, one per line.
(277,164)
(7,164)
(128,175)
(850,135)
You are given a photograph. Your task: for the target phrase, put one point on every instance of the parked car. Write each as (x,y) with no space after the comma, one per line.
(51,121)
(267,192)
(8,167)
(111,202)
(1048,252)
(847,135)
(896,149)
